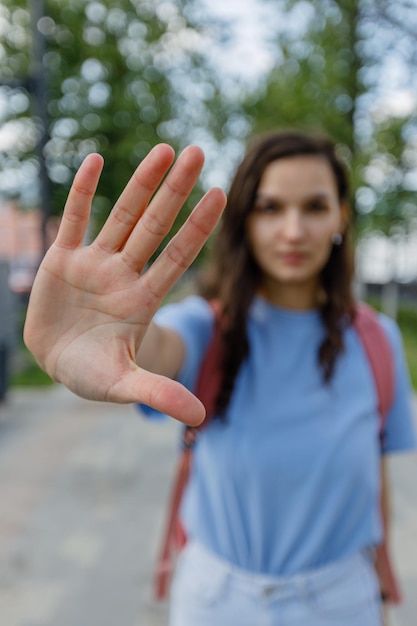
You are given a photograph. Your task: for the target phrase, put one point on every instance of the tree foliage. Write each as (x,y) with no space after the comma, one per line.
(347,68)
(119,78)
(123,76)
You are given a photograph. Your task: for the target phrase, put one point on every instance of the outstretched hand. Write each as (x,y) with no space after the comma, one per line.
(90,306)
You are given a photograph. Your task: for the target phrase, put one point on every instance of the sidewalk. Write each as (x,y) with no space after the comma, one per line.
(82,492)
(82,487)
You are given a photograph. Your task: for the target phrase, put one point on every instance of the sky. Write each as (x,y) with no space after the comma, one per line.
(248,55)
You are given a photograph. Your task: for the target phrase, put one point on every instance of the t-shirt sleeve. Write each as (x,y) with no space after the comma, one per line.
(399,434)
(193,320)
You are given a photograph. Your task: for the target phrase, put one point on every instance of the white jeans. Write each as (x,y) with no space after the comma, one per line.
(209,591)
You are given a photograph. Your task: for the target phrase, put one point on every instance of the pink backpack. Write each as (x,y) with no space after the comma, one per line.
(379,354)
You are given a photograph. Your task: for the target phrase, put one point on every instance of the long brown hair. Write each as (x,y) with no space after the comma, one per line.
(233,276)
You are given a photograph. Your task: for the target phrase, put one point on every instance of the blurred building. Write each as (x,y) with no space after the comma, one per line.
(381,259)
(8,327)
(21,244)
(386,268)
(21,249)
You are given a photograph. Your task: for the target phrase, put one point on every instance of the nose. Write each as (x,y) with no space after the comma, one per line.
(292,225)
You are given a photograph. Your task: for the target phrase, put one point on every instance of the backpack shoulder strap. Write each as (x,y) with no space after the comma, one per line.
(207,388)
(379,353)
(210,374)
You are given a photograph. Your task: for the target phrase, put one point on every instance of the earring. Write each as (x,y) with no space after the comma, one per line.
(337,239)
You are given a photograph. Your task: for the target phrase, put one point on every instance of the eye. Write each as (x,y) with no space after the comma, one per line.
(267,208)
(316,205)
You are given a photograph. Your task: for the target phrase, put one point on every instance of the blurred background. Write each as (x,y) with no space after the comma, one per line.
(78,76)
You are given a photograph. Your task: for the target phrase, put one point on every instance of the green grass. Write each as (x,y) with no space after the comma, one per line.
(29,374)
(25,372)
(407,321)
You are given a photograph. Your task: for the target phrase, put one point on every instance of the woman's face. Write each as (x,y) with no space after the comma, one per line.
(296,213)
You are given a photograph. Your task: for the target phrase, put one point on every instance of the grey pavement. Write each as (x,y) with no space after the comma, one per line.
(83,487)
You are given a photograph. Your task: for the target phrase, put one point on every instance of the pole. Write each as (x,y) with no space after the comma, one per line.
(39,96)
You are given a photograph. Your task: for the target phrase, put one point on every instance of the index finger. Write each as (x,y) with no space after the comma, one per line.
(135,198)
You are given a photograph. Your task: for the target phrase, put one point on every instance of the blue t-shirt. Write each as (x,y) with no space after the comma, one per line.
(291,480)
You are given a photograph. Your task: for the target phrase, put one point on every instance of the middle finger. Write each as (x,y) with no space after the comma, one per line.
(156,222)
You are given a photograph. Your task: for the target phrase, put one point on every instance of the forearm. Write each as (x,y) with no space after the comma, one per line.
(385,498)
(384,565)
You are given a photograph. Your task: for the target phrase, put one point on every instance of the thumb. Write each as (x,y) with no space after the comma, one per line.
(160,393)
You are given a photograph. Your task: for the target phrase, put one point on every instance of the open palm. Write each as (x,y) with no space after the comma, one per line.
(90,306)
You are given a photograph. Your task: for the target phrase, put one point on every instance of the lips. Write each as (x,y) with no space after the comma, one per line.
(293,258)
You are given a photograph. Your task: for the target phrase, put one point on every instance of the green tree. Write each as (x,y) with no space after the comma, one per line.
(120,78)
(334,59)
